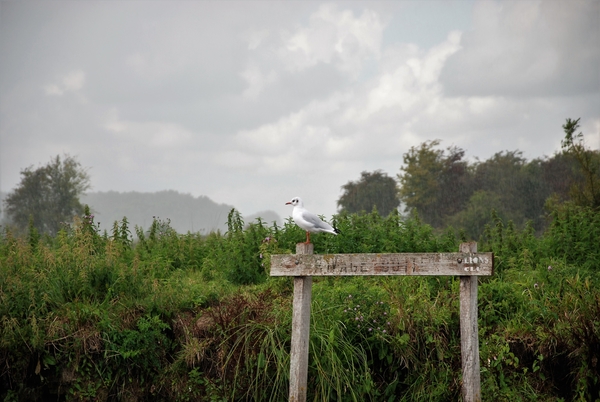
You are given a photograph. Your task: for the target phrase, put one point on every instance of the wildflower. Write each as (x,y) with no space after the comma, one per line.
(384,331)
(349,296)
(370,329)
(261,256)
(535,285)
(549,267)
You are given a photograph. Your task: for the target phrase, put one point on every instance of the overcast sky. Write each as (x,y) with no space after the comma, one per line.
(254,102)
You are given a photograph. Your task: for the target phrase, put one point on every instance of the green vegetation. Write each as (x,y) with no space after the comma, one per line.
(48,195)
(373,190)
(180,317)
(444,189)
(587,191)
(134,314)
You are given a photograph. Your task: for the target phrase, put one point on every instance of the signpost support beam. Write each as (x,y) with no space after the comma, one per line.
(468,264)
(469,336)
(300,331)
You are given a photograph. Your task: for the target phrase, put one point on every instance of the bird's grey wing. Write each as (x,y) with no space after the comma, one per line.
(315,221)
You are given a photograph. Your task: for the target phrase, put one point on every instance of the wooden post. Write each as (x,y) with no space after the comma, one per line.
(467,263)
(300,331)
(469,336)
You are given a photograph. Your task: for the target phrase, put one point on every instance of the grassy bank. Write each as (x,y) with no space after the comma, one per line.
(88,315)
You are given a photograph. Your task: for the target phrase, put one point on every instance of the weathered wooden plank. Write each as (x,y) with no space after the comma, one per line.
(452,264)
(300,331)
(469,333)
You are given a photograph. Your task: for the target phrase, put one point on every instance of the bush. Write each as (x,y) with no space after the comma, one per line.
(91,316)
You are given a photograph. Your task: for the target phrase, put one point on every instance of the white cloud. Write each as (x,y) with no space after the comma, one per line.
(148,134)
(408,83)
(528,48)
(256,80)
(71,82)
(336,37)
(53,89)
(299,138)
(74,81)
(376,120)
(251,103)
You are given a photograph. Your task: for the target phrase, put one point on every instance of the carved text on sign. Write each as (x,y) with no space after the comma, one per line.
(382,264)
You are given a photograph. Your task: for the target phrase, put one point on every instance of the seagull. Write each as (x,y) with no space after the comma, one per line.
(309,221)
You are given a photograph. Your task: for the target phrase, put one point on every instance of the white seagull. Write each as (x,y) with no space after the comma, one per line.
(309,221)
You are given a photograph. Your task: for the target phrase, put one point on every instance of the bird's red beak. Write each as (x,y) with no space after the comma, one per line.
(288,203)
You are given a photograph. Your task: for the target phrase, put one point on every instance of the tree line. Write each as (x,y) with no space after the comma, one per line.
(438,185)
(444,189)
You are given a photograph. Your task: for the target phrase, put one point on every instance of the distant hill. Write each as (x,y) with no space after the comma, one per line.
(186,212)
(268,217)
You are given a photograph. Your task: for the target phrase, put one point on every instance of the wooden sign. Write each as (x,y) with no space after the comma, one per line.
(467,263)
(452,264)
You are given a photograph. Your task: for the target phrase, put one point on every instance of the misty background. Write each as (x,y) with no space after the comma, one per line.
(184,212)
(213,105)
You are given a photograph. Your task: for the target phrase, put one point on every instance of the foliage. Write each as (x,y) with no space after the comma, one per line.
(434,183)
(515,184)
(445,190)
(587,192)
(87,315)
(373,190)
(49,194)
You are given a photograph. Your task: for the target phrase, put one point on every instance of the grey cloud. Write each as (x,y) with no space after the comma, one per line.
(546,48)
(156,96)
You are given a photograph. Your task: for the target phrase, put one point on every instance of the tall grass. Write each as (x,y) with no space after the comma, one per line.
(87,315)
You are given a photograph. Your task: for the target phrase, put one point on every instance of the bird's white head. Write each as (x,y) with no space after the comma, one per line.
(296,201)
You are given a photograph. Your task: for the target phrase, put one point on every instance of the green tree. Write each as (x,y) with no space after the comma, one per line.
(476,214)
(374,189)
(559,174)
(49,194)
(436,183)
(509,176)
(586,192)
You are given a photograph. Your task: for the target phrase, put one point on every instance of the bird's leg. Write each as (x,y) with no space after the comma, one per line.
(307,237)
